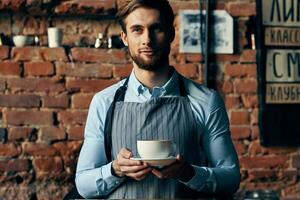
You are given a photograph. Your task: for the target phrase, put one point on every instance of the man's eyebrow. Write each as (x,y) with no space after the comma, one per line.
(135,26)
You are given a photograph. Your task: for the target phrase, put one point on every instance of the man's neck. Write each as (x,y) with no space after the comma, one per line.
(151,79)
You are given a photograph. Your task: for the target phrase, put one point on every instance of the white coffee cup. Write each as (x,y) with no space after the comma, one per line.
(22,40)
(55,37)
(155,149)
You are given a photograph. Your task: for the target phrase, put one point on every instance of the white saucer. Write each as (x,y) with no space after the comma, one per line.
(157,162)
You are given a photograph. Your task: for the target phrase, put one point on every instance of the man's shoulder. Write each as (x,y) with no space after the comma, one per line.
(198,91)
(108,93)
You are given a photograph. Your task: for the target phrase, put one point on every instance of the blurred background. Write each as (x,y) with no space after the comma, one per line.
(45,92)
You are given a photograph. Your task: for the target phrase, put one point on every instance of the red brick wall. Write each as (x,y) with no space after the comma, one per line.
(45,94)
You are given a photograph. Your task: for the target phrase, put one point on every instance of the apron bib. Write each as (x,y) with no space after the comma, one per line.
(156,119)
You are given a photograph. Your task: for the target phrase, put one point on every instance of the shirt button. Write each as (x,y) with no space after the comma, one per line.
(117,182)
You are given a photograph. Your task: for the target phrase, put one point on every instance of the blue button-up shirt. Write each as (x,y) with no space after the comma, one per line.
(93,175)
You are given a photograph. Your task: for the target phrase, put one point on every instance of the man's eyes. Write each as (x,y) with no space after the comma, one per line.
(137,30)
(154,29)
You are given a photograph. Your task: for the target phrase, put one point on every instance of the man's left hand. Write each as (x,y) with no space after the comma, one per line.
(178,170)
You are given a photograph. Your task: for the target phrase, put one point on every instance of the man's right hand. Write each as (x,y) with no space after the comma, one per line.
(134,169)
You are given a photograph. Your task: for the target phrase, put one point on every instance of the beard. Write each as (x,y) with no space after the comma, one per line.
(153,64)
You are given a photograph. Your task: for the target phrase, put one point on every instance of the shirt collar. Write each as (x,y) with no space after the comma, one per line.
(171,87)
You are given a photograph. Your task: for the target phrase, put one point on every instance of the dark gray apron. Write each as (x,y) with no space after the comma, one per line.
(156,119)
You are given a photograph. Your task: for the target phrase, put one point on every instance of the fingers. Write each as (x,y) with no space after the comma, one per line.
(123,158)
(126,153)
(170,171)
(122,161)
(133,169)
(140,174)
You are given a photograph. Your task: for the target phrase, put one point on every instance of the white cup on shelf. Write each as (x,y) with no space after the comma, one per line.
(55,37)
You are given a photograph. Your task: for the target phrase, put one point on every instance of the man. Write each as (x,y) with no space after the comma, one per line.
(155,102)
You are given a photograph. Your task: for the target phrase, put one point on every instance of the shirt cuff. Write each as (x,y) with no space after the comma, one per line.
(199,179)
(110,179)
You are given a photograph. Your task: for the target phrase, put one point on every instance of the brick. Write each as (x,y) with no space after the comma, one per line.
(177,58)
(122,71)
(9,150)
(50,134)
(70,164)
(98,55)
(194,58)
(52,165)
(58,101)
(240,147)
(227,87)
(20,133)
(26,54)
(240,70)
(3,134)
(103,7)
(193,5)
(5,24)
(16,165)
(226,57)
(84,70)
(35,25)
(241,9)
(51,190)
(4,52)
(248,56)
(16,191)
(254,132)
(72,117)
(9,69)
(2,85)
(254,117)
(38,149)
(35,85)
(240,133)
(14,5)
(22,100)
(250,101)
(28,117)
(89,85)
(75,133)
(262,175)
(81,100)
(38,68)
(288,175)
(239,118)
(265,162)
(54,54)
(255,149)
(232,101)
(68,148)
(188,70)
(296,161)
(248,86)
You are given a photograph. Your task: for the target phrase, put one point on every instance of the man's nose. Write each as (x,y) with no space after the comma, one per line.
(147,37)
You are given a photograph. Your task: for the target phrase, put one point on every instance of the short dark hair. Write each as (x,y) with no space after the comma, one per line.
(128,6)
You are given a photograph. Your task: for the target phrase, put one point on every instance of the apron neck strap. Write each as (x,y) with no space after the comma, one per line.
(181,86)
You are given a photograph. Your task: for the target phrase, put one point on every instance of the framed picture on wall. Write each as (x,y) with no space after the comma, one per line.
(192,32)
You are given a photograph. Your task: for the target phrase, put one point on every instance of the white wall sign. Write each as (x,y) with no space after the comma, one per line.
(221,36)
(283,76)
(281,12)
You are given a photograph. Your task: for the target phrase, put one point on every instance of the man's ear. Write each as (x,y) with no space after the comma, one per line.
(124,38)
